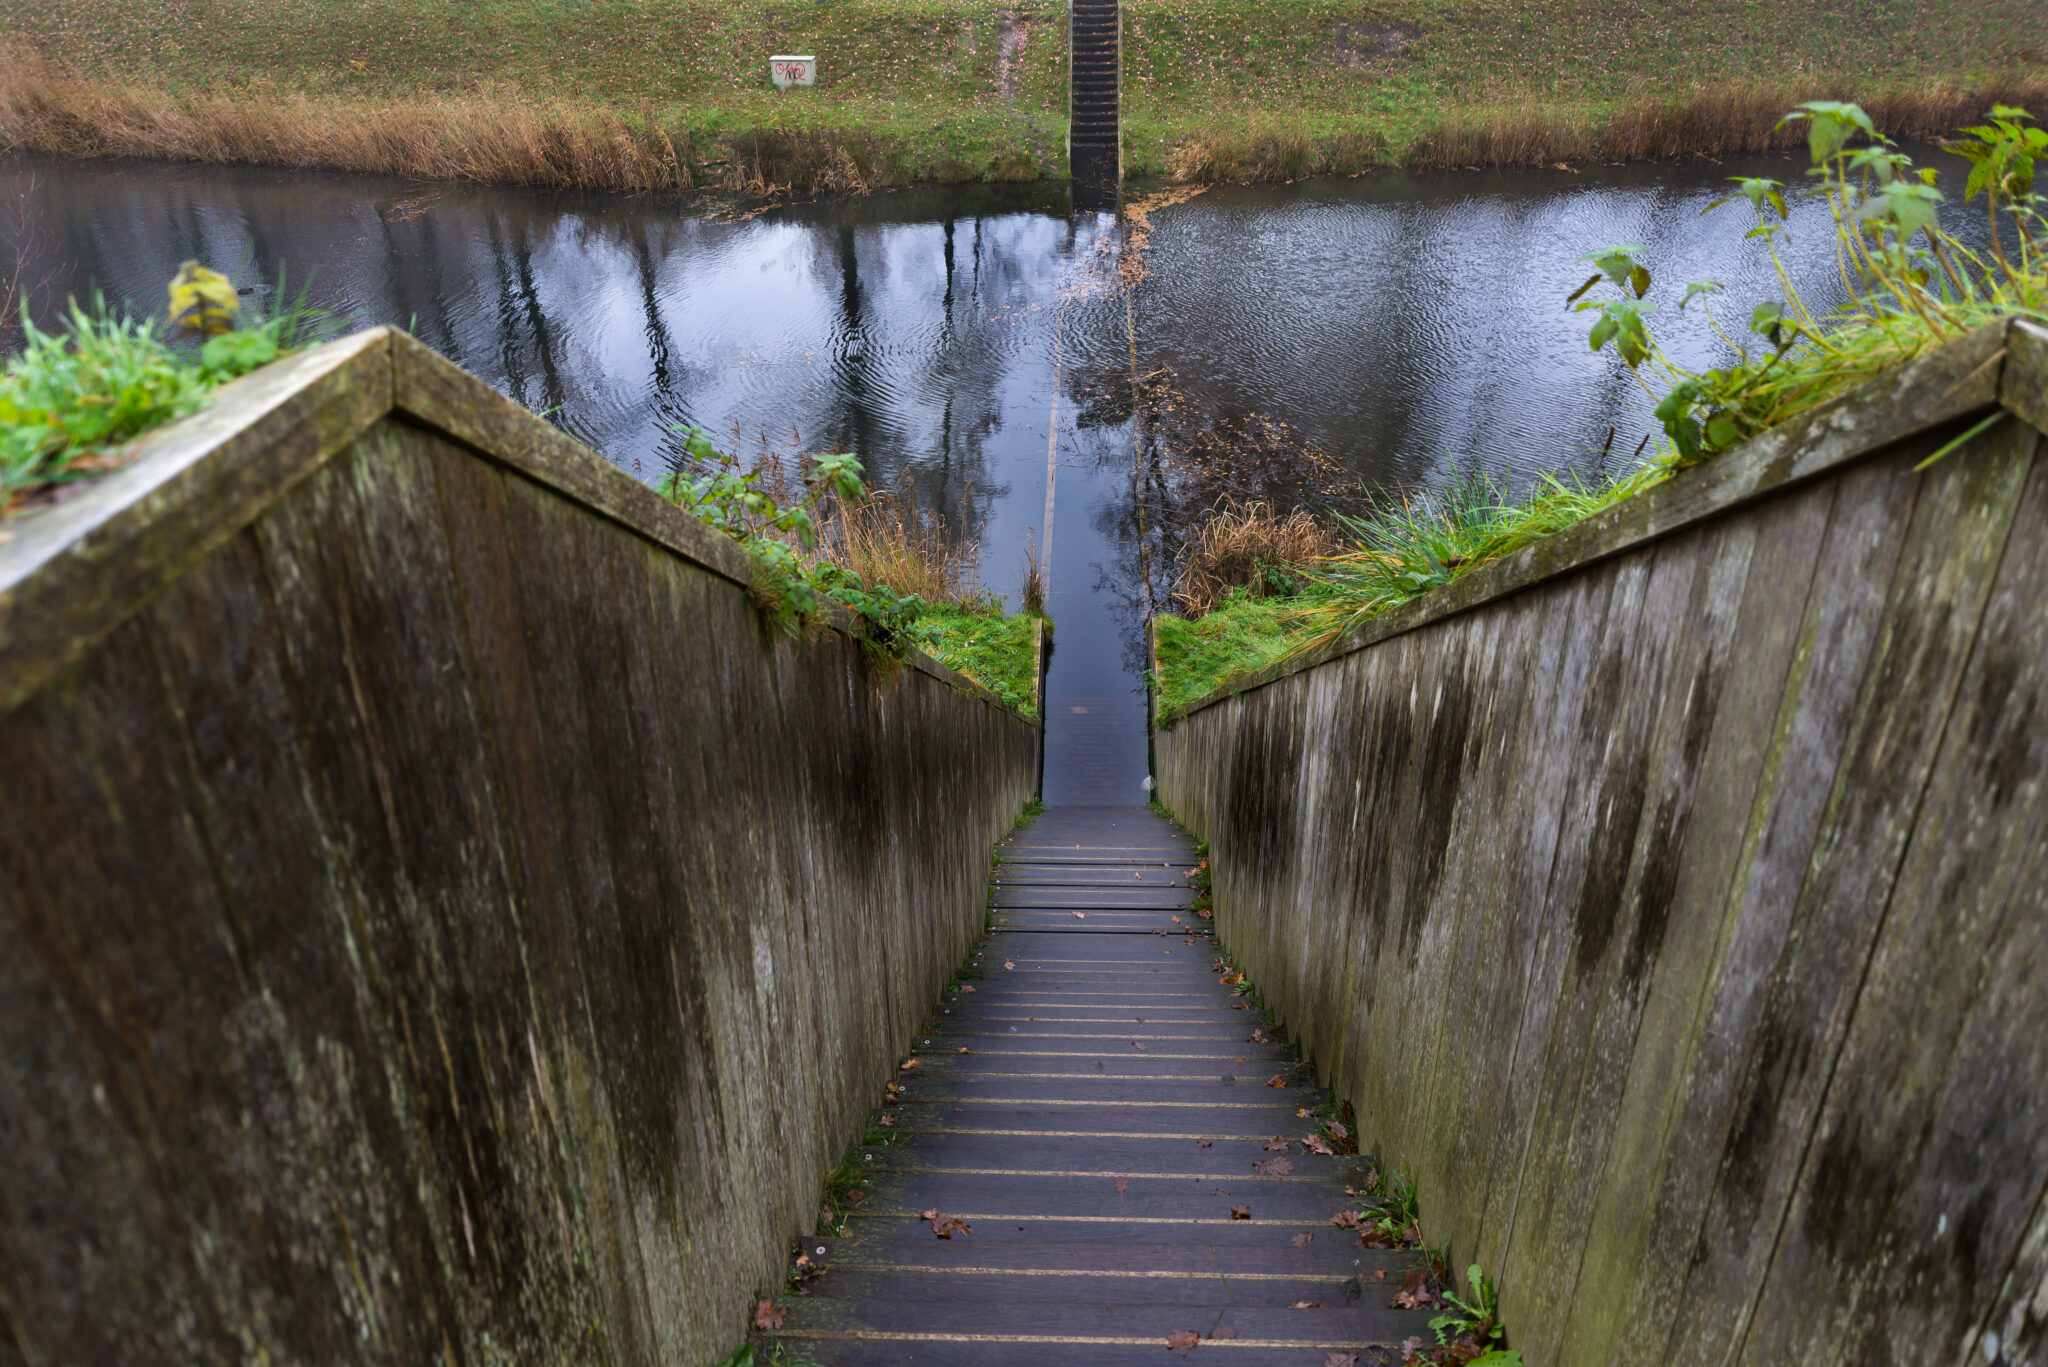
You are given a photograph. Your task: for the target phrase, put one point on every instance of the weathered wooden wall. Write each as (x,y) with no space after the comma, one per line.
(1673,899)
(437,922)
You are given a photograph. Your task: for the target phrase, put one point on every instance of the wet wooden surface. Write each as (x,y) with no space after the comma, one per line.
(1675,907)
(1093,1105)
(439,921)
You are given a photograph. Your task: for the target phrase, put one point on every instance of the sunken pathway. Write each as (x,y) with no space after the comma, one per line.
(1094,1109)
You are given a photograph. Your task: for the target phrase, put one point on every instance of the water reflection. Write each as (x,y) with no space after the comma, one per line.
(973,341)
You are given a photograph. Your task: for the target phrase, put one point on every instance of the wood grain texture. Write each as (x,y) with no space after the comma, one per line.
(439,920)
(1670,906)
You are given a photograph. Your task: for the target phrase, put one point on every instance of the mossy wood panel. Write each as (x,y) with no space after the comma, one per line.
(1678,918)
(442,924)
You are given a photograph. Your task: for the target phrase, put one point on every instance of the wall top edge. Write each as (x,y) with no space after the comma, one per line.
(74,570)
(2003,365)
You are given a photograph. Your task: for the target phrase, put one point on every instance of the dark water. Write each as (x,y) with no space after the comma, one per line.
(970,343)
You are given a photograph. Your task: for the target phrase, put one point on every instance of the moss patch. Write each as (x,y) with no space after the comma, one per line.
(1241,636)
(995,651)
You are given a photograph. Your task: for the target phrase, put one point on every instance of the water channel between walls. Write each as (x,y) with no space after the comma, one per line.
(972,344)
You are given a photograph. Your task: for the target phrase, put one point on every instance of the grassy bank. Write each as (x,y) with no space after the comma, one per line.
(996,650)
(673,94)
(1259,584)
(1241,635)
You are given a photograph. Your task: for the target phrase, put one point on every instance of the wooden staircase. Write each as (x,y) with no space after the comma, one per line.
(1095,1156)
(1094,135)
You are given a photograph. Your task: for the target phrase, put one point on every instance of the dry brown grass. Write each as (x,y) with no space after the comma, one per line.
(469,137)
(1515,130)
(1718,121)
(1250,545)
(1256,155)
(886,538)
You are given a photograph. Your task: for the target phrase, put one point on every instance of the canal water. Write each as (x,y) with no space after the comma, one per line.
(1008,360)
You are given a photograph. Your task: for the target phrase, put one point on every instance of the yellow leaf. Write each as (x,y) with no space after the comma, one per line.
(203,301)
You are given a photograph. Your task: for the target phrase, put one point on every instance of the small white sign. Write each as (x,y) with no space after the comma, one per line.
(789,71)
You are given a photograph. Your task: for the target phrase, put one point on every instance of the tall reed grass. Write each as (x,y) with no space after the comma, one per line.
(1513,129)
(1250,546)
(886,538)
(473,137)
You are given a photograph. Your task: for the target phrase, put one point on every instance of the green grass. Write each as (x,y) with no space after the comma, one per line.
(1212,87)
(72,400)
(1242,636)
(996,651)
(1371,83)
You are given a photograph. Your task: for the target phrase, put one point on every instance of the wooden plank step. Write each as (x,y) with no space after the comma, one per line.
(1065,1244)
(1306,1207)
(1363,1318)
(1216,1155)
(912,1283)
(876,1349)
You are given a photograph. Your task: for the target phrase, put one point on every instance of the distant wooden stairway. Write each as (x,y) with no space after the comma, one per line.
(1094,136)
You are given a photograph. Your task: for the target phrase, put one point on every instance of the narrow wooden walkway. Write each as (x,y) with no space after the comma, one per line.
(1093,1107)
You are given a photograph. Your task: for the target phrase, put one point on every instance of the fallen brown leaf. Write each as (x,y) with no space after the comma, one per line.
(1136,1045)
(1183,1341)
(1258,1037)
(1340,1360)
(1315,1143)
(961,1050)
(1345,1219)
(1303,1239)
(769,1315)
(1306,1305)
(1224,1331)
(1008,964)
(1337,1130)
(1411,1348)
(1201,1143)
(1176,920)
(1277,1144)
(908,1064)
(1122,1185)
(1240,1212)
(1080,916)
(1414,1293)
(886,1120)
(1276,1081)
(943,1225)
(1273,1167)
(967,987)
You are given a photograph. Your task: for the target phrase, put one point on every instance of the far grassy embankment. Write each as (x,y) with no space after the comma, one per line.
(674,95)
